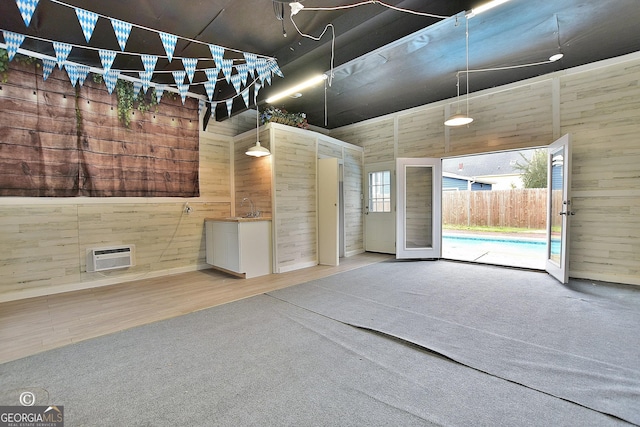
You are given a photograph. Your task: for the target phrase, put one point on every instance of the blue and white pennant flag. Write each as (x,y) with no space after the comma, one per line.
(47,67)
(13,42)
(245,97)
(107,57)
(210,87)
(145,78)
(190,67)
(227,69)
(122,30)
(83,72)
(229,106)
(183,88)
(242,72)
(179,76)
(217,53)
(212,74)
(159,92)
(72,72)
(27,8)
(235,81)
(250,59)
(169,42)
(62,52)
(87,21)
(149,62)
(137,85)
(110,79)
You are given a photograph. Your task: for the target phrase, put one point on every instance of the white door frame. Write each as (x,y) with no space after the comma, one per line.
(380,227)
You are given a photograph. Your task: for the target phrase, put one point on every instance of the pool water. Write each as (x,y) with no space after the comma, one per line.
(510,251)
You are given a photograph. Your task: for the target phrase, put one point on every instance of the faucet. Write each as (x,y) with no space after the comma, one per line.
(253,213)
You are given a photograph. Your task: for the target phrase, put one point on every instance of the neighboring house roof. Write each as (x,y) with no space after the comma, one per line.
(493,164)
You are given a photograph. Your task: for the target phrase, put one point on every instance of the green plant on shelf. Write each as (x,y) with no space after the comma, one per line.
(278,115)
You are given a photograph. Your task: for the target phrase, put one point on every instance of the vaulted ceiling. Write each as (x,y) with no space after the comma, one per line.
(384,60)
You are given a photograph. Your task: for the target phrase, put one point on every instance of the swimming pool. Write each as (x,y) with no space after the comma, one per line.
(511,251)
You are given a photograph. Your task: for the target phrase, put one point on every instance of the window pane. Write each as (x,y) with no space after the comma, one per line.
(380,191)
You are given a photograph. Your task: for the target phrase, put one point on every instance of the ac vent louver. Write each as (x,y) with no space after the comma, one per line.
(101,259)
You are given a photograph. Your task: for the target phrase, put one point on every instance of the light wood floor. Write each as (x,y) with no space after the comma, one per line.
(37,324)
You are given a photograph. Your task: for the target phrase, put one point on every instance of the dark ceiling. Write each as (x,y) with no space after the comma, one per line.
(385,60)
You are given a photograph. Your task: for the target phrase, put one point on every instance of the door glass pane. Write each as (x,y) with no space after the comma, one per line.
(419,208)
(557,168)
(380,191)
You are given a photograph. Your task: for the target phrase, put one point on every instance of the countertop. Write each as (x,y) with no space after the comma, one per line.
(240,219)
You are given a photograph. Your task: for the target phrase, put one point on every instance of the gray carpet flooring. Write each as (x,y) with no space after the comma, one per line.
(292,358)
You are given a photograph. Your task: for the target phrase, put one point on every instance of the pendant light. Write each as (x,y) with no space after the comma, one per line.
(257,150)
(459,119)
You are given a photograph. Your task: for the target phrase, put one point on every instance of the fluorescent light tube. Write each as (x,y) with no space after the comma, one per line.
(483,8)
(298,88)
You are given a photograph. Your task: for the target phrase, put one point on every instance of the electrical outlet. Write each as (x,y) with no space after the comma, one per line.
(187,209)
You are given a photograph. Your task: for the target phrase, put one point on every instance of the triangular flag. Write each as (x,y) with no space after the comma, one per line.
(145,77)
(183,88)
(149,62)
(214,105)
(217,53)
(235,81)
(83,72)
(137,85)
(110,79)
(87,21)
(72,72)
(245,97)
(27,8)
(62,52)
(169,42)
(47,67)
(107,57)
(229,106)
(210,87)
(190,67)
(13,42)
(256,89)
(227,68)
(262,68)
(273,67)
(179,76)
(201,104)
(212,74)
(159,92)
(242,72)
(250,59)
(122,30)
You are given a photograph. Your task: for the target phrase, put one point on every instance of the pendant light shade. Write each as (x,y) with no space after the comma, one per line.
(258,150)
(458,119)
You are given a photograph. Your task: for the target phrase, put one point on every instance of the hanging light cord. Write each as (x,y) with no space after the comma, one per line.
(362,3)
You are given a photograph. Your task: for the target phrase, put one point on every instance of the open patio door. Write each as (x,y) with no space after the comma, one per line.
(559,208)
(419,221)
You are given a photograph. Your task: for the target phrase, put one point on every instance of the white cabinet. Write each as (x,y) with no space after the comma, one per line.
(241,246)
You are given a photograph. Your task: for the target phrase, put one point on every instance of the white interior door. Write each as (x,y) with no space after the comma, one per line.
(559,208)
(419,222)
(379,208)
(328,211)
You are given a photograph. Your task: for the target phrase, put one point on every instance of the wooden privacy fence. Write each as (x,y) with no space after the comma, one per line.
(521,208)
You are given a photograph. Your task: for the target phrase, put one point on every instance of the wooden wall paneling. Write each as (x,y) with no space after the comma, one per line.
(328,149)
(376,137)
(252,175)
(295,164)
(215,166)
(420,133)
(353,201)
(600,110)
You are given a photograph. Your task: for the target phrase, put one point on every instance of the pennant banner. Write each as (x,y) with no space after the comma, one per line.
(122,30)
(245,97)
(145,78)
(72,72)
(217,53)
(107,57)
(13,42)
(242,72)
(27,8)
(227,68)
(183,88)
(250,59)
(273,67)
(159,92)
(62,52)
(263,69)
(235,81)
(190,67)
(212,74)
(110,79)
(83,72)
(169,42)
(149,62)
(210,87)
(47,67)
(229,106)
(179,76)
(87,21)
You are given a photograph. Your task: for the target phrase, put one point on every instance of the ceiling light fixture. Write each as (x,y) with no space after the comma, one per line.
(459,119)
(298,88)
(483,8)
(257,150)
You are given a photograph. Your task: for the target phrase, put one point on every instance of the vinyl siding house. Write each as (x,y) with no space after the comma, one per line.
(43,240)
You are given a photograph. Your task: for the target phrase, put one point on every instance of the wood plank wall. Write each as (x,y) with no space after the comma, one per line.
(252,175)
(43,241)
(598,104)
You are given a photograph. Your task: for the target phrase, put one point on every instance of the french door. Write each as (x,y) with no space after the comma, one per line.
(380,208)
(559,208)
(419,219)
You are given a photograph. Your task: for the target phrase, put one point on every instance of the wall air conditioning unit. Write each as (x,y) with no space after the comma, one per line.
(114,257)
